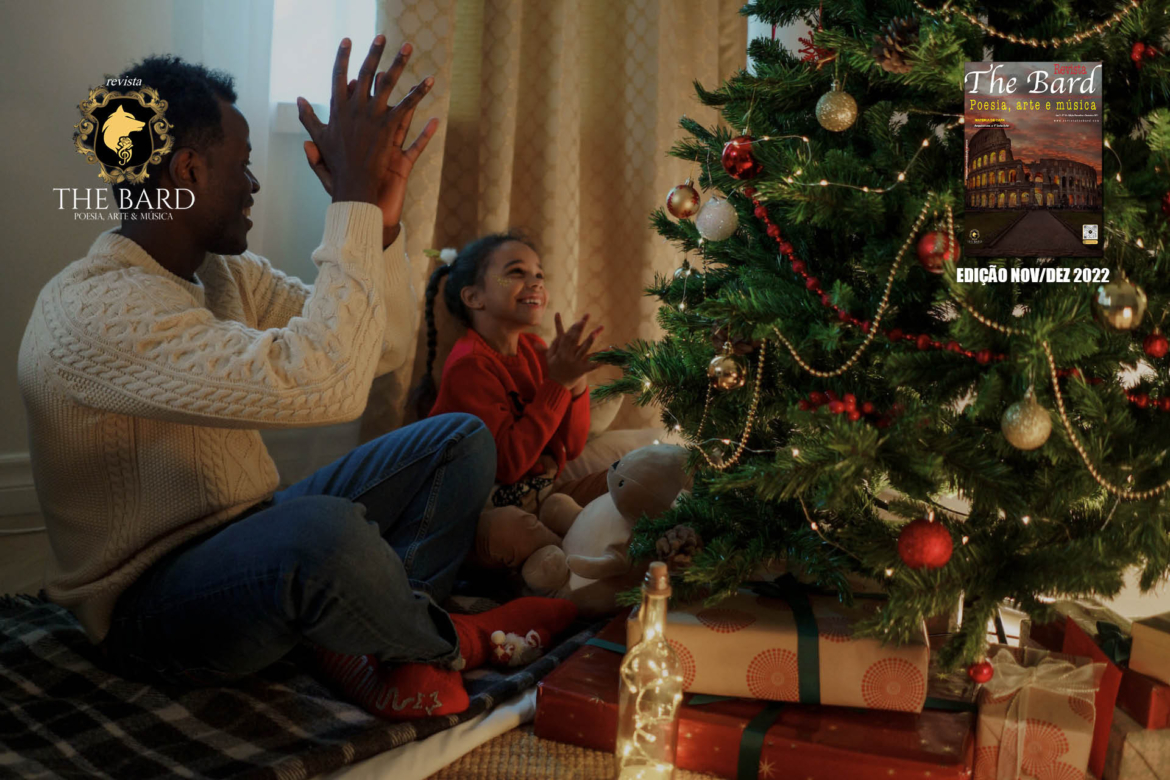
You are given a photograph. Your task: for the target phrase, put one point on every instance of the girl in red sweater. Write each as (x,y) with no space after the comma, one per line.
(533,397)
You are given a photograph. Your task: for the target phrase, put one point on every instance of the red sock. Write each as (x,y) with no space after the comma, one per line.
(515,617)
(396,692)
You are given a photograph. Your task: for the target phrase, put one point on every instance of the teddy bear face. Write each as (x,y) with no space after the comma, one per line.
(647,480)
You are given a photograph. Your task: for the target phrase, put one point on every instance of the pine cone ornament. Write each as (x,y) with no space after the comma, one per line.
(889,48)
(678,546)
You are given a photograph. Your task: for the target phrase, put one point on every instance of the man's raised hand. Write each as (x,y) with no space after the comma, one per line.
(391,164)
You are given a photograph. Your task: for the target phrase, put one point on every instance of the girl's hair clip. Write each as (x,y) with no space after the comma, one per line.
(446,256)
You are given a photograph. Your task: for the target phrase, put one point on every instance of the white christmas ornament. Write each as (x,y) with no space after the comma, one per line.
(717,220)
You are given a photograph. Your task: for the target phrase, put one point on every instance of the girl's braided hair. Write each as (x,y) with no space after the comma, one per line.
(467,269)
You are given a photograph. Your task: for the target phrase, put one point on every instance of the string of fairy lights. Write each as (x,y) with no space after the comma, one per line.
(899,179)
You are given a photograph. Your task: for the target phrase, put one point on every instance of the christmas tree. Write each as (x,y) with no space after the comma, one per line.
(837,383)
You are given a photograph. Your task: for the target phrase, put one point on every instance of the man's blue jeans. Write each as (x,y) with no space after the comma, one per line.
(354,558)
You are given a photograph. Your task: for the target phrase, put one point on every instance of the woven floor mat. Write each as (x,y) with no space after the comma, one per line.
(521,755)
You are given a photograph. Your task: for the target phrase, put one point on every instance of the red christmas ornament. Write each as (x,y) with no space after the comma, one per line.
(1166,204)
(937,248)
(683,200)
(738,160)
(981,671)
(925,544)
(1156,344)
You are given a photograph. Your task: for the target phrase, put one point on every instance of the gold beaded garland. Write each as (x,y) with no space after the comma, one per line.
(725,463)
(1077,37)
(878,314)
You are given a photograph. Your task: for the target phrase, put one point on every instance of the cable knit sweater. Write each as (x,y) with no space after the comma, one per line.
(145,392)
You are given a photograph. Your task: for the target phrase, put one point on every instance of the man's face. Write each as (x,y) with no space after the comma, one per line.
(224,204)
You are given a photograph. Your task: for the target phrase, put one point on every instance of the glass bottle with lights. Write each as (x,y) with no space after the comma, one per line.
(651,690)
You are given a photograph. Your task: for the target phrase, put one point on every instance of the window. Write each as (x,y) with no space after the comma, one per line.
(305,35)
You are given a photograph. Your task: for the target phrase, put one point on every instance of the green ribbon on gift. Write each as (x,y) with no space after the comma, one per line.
(808,651)
(605,644)
(751,744)
(1113,642)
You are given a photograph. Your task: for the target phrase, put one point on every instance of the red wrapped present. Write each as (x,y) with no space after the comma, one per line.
(577,704)
(785,642)
(1077,642)
(1144,699)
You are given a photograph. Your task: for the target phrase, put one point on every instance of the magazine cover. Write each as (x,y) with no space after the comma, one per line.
(1032,159)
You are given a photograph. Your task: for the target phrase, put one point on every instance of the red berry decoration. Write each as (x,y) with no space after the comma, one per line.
(981,671)
(738,160)
(683,200)
(1142,51)
(936,249)
(1137,52)
(925,544)
(1156,344)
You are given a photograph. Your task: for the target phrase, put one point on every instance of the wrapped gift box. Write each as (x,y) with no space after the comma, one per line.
(1036,715)
(1136,753)
(1144,698)
(782,643)
(577,703)
(1151,647)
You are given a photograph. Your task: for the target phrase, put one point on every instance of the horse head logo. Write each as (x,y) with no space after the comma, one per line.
(116,133)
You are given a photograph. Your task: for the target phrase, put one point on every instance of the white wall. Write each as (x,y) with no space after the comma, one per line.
(52,52)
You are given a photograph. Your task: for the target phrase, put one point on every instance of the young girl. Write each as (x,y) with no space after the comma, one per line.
(534,398)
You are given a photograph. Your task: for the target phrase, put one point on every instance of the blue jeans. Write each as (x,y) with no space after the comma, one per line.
(354,558)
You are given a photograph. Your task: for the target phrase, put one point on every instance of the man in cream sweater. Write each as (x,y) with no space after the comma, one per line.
(149,365)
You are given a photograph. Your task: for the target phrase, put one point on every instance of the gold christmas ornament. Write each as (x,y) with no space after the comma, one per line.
(1026,424)
(726,372)
(836,110)
(683,200)
(1121,304)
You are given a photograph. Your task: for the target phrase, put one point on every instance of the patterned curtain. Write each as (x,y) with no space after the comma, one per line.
(556,118)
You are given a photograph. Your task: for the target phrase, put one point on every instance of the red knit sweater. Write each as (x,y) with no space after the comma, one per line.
(527,413)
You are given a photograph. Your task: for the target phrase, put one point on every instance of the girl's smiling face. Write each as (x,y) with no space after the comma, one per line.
(512,289)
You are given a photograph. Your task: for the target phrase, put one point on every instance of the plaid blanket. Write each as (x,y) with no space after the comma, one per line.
(62,715)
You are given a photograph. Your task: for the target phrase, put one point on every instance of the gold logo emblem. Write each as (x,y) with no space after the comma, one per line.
(123,133)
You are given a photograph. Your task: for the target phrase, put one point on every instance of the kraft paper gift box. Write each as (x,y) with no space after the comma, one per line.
(1144,698)
(577,704)
(1136,753)
(777,641)
(1036,716)
(1150,654)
